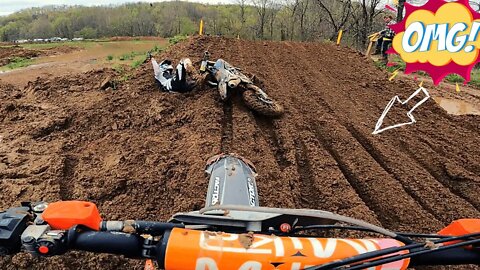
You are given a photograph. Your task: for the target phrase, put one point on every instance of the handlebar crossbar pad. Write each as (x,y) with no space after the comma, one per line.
(129,245)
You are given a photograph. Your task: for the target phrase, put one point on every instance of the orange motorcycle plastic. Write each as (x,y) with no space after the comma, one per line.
(189,249)
(66,214)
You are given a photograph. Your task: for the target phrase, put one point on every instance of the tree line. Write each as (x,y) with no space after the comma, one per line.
(303,20)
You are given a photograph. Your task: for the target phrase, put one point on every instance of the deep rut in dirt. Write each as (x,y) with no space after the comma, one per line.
(227,127)
(310,194)
(67,181)
(268,130)
(139,153)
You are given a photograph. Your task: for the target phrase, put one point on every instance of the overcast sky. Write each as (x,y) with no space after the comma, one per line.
(10,6)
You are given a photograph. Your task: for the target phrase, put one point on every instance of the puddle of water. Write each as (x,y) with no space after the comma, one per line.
(457,107)
(92,56)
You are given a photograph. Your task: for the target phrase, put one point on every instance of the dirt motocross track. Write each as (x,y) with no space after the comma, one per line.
(139,153)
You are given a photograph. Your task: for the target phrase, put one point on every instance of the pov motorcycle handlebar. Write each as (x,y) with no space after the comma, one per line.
(129,245)
(52,230)
(134,246)
(182,242)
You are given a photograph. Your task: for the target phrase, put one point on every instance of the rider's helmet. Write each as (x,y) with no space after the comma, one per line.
(166,65)
(166,69)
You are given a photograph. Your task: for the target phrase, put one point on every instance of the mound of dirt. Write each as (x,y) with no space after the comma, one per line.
(7,54)
(139,153)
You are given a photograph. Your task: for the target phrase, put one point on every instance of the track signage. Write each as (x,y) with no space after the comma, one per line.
(439,38)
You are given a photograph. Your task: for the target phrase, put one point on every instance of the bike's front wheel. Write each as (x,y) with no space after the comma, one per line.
(265,106)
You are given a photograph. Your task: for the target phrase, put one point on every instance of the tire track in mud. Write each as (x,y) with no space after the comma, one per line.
(273,130)
(67,179)
(381,161)
(374,185)
(363,213)
(467,189)
(438,151)
(431,204)
(443,140)
(354,173)
(268,128)
(301,179)
(321,174)
(446,147)
(273,182)
(418,184)
(452,141)
(349,173)
(309,193)
(318,191)
(227,127)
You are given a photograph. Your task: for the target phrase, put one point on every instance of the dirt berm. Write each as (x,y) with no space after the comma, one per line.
(139,153)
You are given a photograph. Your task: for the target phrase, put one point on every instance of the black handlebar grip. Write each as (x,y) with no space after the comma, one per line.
(456,256)
(129,245)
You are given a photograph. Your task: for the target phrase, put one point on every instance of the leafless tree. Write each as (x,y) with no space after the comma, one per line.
(338,13)
(261,8)
(242,5)
(303,8)
(365,15)
(273,11)
(292,6)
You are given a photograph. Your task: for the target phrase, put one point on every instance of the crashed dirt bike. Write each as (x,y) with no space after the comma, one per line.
(233,232)
(227,78)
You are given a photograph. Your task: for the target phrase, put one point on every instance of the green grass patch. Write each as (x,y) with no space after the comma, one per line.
(39,46)
(157,49)
(119,68)
(474,79)
(109,57)
(177,39)
(124,72)
(454,78)
(399,64)
(18,62)
(125,77)
(130,55)
(138,58)
(139,61)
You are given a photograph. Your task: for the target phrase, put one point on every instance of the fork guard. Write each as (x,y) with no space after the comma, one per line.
(232,181)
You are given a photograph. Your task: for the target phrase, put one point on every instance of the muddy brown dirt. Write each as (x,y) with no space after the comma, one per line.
(139,153)
(9,53)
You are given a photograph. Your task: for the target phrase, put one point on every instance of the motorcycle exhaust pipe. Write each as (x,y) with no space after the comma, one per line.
(234,83)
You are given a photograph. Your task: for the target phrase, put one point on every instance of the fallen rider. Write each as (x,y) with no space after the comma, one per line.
(183,79)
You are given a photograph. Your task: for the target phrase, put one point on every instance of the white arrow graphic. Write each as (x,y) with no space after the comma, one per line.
(378,128)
